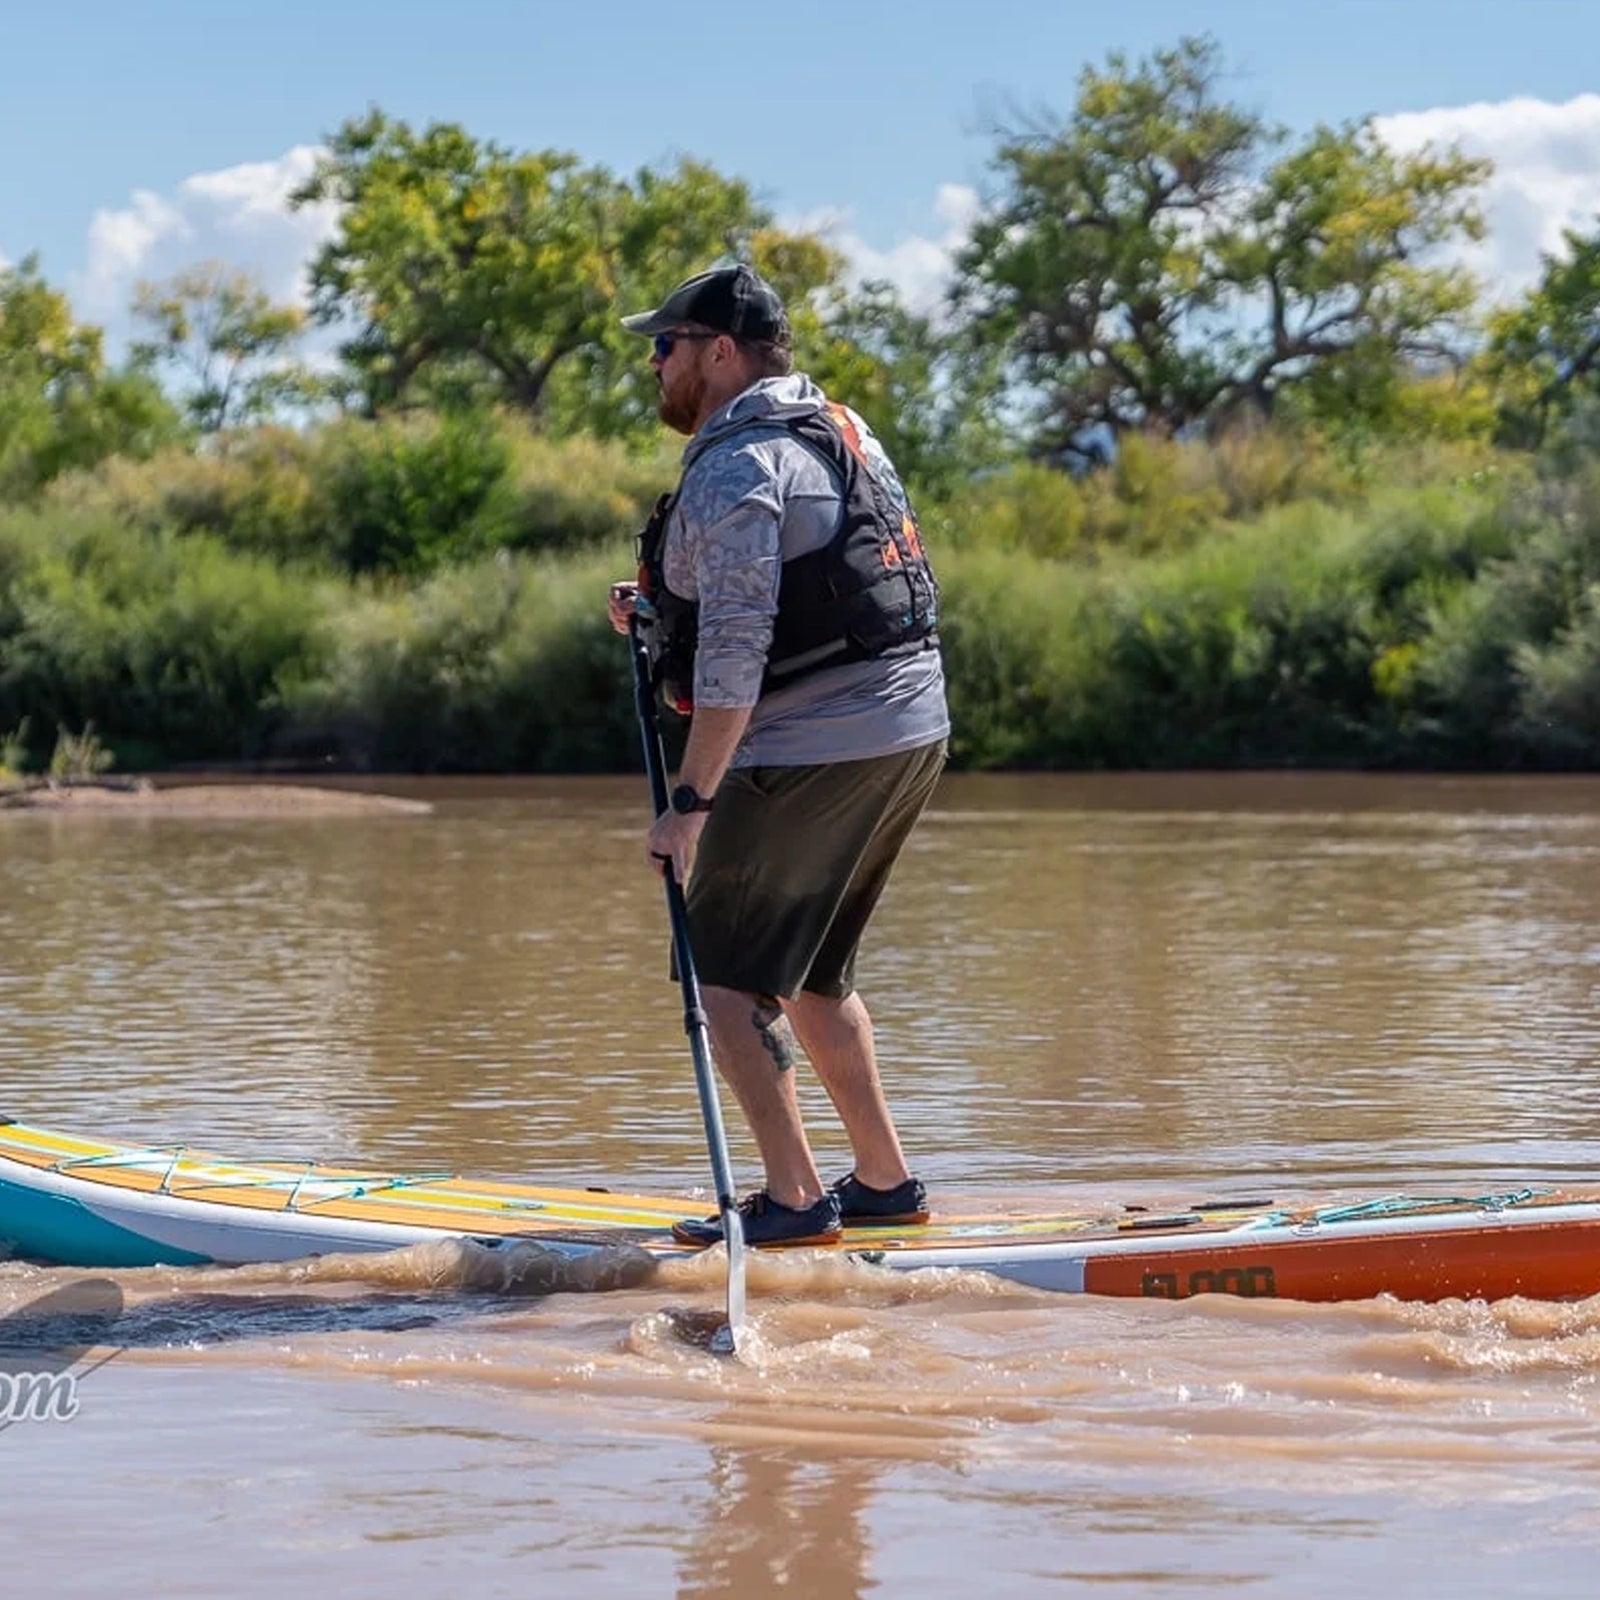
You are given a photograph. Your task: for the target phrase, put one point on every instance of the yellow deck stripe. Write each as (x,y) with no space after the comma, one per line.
(464,1206)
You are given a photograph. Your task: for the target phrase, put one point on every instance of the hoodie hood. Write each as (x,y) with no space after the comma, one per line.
(767,402)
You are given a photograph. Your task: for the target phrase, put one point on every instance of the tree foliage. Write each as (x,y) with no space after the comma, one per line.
(227,341)
(60,405)
(1149,266)
(1545,354)
(931,394)
(471,273)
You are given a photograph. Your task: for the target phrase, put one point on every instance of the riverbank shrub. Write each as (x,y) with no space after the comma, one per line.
(15,760)
(1405,614)
(1508,671)
(582,494)
(1161,495)
(1300,638)
(407,495)
(506,664)
(253,490)
(176,648)
(410,494)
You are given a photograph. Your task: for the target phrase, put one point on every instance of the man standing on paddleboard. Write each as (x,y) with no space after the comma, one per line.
(791,612)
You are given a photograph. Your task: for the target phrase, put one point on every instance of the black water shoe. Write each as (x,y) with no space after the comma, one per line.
(766,1222)
(864,1207)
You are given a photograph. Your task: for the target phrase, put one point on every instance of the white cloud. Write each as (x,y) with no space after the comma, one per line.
(1546,179)
(240,215)
(120,242)
(919,265)
(1546,176)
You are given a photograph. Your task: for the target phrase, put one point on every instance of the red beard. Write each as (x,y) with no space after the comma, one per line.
(679,403)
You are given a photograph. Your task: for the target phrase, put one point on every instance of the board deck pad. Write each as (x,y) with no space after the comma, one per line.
(87,1202)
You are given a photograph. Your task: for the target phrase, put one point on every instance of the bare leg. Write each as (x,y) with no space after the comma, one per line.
(837,1035)
(756,1054)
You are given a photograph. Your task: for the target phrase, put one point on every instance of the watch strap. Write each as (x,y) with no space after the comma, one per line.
(686,799)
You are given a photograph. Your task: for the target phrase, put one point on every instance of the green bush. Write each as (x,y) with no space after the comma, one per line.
(1300,638)
(1155,495)
(580,493)
(507,664)
(1259,468)
(1506,661)
(1005,618)
(405,495)
(1558,720)
(412,680)
(1406,609)
(79,757)
(14,757)
(173,645)
(410,494)
(253,489)
(1028,508)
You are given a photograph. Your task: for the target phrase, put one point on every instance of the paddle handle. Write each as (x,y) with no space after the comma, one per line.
(694,1015)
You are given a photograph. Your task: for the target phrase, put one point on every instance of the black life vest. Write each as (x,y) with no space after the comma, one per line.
(868,593)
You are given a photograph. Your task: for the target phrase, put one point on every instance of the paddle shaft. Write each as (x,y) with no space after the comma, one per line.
(694,1015)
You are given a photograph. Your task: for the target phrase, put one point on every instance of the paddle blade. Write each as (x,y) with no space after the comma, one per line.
(726,1342)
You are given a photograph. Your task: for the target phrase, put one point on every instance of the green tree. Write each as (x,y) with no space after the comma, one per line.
(608,387)
(227,340)
(931,398)
(1148,267)
(60,405)
(471,274)
(1334,241)
(1544,355)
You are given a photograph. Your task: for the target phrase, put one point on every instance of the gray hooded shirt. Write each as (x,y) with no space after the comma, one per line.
(753,497)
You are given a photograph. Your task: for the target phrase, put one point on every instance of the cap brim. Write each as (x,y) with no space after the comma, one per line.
(650,322)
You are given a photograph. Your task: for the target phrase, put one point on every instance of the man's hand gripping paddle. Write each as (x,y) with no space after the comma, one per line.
(725,1341)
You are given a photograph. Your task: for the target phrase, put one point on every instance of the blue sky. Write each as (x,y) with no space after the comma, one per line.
(877,116)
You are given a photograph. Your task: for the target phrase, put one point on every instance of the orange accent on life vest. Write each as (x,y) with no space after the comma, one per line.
(846,425)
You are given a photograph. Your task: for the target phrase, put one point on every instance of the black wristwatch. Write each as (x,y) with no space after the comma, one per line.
(686,798)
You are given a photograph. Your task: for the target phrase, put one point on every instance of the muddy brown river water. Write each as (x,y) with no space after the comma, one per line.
(1088,989)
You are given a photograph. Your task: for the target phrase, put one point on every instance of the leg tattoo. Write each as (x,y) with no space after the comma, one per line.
(772,1027)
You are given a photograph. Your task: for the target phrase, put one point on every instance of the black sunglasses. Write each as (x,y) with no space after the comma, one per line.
(665,341)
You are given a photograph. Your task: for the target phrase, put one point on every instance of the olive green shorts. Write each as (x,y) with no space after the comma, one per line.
(792,862)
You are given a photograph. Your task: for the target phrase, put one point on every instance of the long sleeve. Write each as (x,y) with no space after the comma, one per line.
(724,550)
